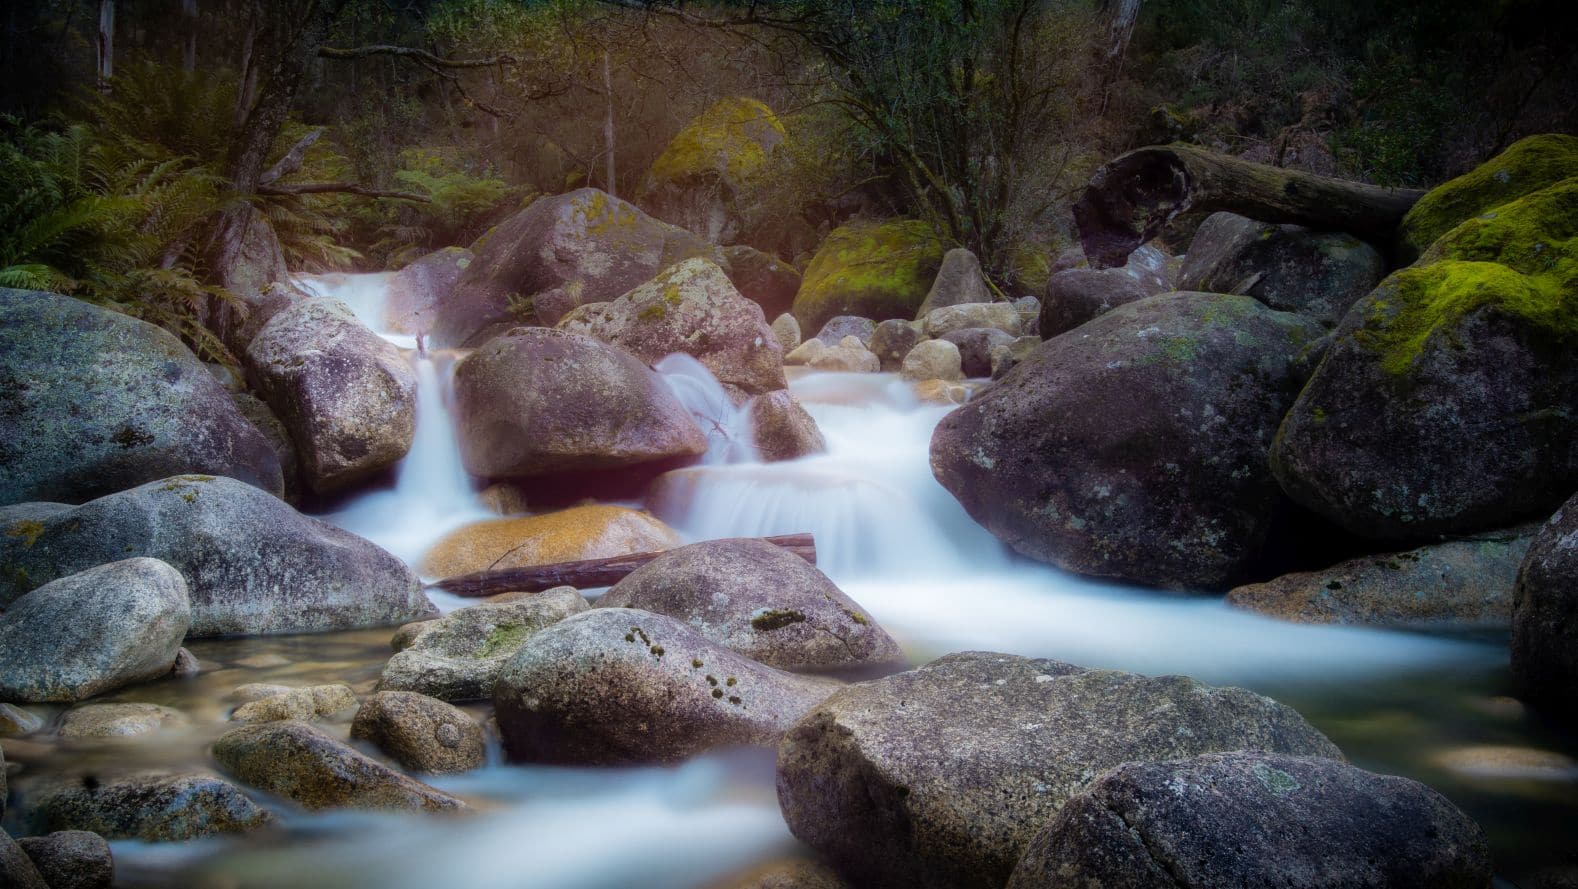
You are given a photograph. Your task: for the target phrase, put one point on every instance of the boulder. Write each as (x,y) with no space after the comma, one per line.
(117,720)
(16,722)
(421,733)
(959,280)
(763,279)
(1464,582)
(347,395)
(940,776)
(692,308)
(933,360)
(459,656)
(1288,267)
(252,564)
(975,348)
(1002,316)
(781,429)
(295,760)
(260,415)
(1078,294)
(1444,404)
(759,600)
(1223,820)
(250,264)
(705,179)
(1135,446)
(16,869)
(787,331)
(71,859)
(582,532)
(301,704)
(618,685)
(535,402)
(1545,617)
(834,331)
(94,401)
(892,340)
(147,806)
(1006,356)
(849,356)
(562,251)
(1526,166)
(92,632)
(876,270)
(416,291)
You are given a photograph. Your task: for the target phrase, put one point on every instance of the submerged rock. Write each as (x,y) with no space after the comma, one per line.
(791,873)
(595,531)
(1223,820)
(295,760)
(940,777)
(92,632)
(118,720)
(94,401)
(302,704)
(71,859)
(421,733)
(458,656)
(1545,617)
(759,600)
(16,722)
(876,270)
(148,806)
(781,429)
(959,280)
(252,564)
(617,685)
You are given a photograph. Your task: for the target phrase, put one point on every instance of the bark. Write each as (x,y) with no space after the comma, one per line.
(292,33)
(189,25)
(341,188)
(585,574)
(292,160)
(1131,198)
(610,183)
(106,43)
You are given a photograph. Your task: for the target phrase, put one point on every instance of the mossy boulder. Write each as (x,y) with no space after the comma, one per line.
(1135,446)
(594,531)
(1545,617)
(703,181)
(94,401)
(877,270)
(1527,166)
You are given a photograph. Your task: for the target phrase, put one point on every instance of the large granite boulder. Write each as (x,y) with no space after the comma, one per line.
(690,307)
(959,280)
(707,178)
(1228,819)
(1076,295)
(534,402)
(561,252)
(93,402)
(1545,617)
(593,531)
(347,395)
(92,632)
(1135,446)
(877,270)
(252,564)
(416,291)
(759,600)
(1287,267)
(940,776)
(763,279)
(618,685)
(147,806)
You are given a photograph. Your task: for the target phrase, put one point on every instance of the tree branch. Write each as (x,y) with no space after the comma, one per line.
(292,160)
(341,188)
(411,52)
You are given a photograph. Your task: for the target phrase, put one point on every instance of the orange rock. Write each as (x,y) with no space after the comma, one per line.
(581,532)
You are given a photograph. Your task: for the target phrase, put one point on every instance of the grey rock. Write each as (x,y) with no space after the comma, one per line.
(763,279)
(834,331)
(781,429)
(416,291)
(92,632)
(1005,357)
(16,869)
(302,704)
(1003,316)
(1029,313)
(250,264)
(893,339)
(148,806)
(975,348)
(849,356)
(117,720)
(933,360)
(959,281)
(16,722)
(260,415)
(1077,295)
(421,733)
(186,665)
(1545,617)
(787,331)
(71,859)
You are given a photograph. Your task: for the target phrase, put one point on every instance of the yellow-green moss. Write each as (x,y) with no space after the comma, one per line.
(503,638)
(1032,266)
(731,139)
(1527,166)
(26,529)
(877,270)
(1536,234)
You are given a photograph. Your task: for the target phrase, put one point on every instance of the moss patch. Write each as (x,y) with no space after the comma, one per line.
(503,639)
(731,140)
(27,530)
(1527,166)
(775,618)
(877,270)
(1536,234)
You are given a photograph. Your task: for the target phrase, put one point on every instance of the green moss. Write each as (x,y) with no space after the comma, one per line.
(28,530)
(1536,234)
(877,270)
(776,618)
(1527,166)
(1032,266)
(731,139)
(503,638)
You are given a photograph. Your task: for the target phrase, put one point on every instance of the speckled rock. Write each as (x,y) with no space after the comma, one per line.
(118,720)
(1077,294)
(71,859)
(692,308)
(1135,446)
(781,429)
(1464,582)
(95,631)
(1545,617)
(416,291)
(562,251)
(1006,356)
(849,356)
(252,564)
(1288,267)
(787,330)
(763,279)
(940,776)
(834,331)
(302,704)
(959,280)
(260,415)
(347,395)
(617,685)
(759,600)
(94,401)
(975,348)
(790,873)
(458,656)
(594,531)
(1222,820)
(421,733)
(148,806)
(16,722)
(893,339)
(933,360)
(16,869)
(534,402)
(1002,316)
(298,761)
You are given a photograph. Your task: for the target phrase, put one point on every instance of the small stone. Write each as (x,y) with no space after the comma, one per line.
(305,704)
(942,392)
(933,360)
(149,806)
(118,720)
(421,733)
(787,330)
(186,665)
(1508,763)
(256,691)
(71,859)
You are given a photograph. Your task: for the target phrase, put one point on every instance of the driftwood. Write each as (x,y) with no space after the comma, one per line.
(1132,197)
(583,574)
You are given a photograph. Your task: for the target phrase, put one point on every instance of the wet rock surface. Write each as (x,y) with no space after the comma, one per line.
(154,807)
(421,733)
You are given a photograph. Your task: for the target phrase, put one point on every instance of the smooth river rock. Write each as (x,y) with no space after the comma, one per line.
(592,531)
(148,806)
(421,733)
(118,720)
(1545,617)
(959,280)
(302,704)
(781,429)
(933,360)
(71,859)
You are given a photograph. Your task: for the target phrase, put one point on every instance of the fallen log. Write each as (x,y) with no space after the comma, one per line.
(583,574)
(1132,197)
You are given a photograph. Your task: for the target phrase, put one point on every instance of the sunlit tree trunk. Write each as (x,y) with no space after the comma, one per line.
(106,43)
(611,182)
(189,23)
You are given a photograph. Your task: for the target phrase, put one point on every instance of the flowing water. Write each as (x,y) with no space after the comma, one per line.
(1432,707)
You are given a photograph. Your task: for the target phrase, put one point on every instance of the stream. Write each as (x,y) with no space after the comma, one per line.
(1432,707)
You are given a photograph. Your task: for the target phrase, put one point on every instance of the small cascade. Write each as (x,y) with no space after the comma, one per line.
(727,427)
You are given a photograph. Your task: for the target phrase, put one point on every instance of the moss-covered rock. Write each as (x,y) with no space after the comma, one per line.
(701,181)
(1527,166)
(877,270)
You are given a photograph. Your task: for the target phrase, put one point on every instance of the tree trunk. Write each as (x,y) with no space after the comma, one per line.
(610,183)
(291,34)
(1132,197)
(189,25)
(106,43)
